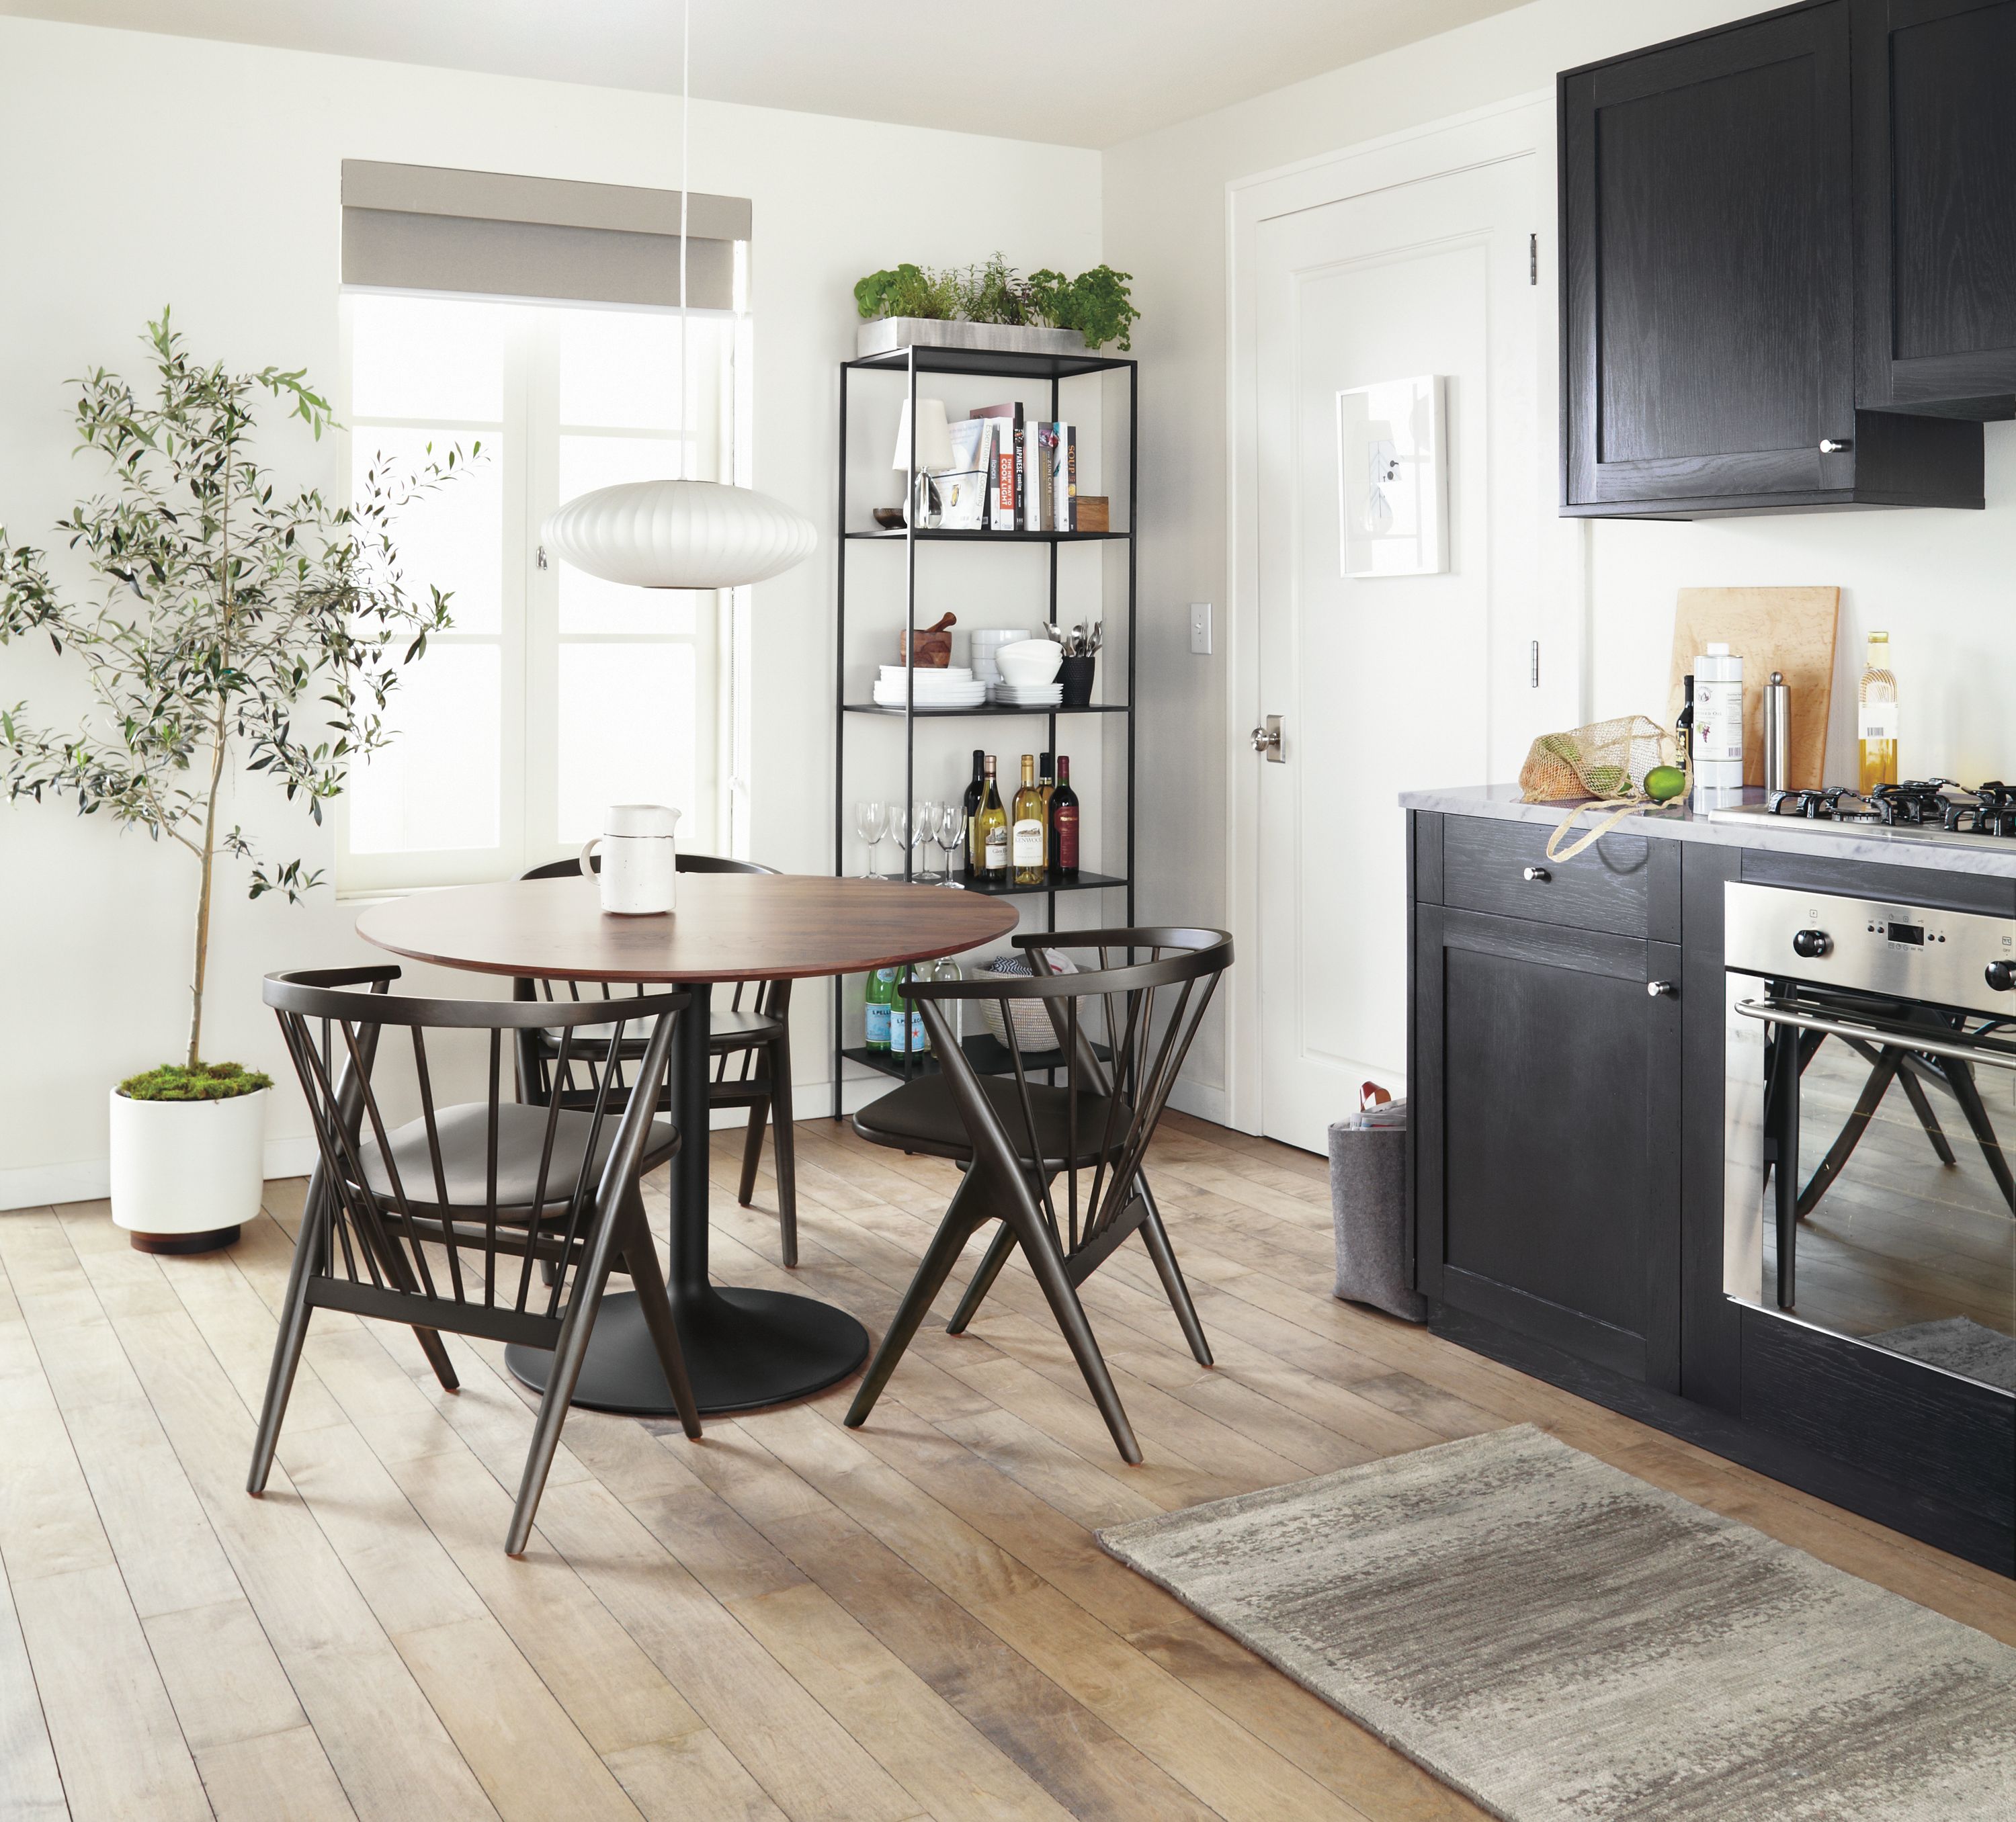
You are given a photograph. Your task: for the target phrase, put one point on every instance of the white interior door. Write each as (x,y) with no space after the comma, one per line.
(1390,682)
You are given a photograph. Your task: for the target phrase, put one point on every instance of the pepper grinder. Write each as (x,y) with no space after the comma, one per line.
(1778,735)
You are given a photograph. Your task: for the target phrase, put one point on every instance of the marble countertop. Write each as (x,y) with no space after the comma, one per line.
(1677,822)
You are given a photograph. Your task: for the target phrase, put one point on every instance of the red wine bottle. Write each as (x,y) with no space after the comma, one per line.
(975,791)
(1063,823)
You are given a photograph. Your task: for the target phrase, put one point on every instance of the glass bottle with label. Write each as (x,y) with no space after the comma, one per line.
(875,1008)
(1876,716)
(1028,835)
(990,833)
(974,792)
(1063,823)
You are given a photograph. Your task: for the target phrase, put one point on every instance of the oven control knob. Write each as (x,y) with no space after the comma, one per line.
(1811,945)
(2001,976)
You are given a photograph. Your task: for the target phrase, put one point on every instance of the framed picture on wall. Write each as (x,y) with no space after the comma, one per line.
(1392,478)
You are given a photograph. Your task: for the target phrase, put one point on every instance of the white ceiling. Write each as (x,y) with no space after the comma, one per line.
(1070,72)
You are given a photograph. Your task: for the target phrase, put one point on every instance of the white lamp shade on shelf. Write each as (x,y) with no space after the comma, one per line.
(680,535)
(934,438)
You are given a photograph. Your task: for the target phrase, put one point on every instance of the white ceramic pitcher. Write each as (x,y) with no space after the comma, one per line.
(639,860)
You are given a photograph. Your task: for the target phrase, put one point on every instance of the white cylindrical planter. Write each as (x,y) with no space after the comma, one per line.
(185,1173)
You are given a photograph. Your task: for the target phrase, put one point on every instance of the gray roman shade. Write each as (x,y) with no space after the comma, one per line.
(419,228)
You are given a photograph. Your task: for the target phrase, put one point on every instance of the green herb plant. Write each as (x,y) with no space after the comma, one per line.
(1097,303)
(229,616)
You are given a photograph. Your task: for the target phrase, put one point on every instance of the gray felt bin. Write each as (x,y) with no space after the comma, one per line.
(1368,1200)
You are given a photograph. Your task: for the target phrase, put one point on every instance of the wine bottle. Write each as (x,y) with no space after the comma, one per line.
(876,1007)
(1046,782)
(1026,838)
(974,792)
(1063,823)
(1876,717)
(990,831)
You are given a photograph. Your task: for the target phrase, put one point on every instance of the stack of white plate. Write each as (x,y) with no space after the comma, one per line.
(1026,695)
(984,644)
(947,687)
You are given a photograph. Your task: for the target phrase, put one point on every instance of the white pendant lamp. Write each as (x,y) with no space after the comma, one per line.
(681,534)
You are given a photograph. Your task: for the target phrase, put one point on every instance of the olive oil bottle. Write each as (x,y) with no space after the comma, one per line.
(1876,716)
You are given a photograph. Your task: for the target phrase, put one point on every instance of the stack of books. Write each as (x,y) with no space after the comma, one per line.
(1033,471)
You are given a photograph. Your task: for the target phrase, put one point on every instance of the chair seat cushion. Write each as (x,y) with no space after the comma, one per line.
(521,1138)
(923,1116)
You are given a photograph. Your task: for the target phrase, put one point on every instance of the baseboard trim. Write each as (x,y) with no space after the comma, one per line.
(1202,1100)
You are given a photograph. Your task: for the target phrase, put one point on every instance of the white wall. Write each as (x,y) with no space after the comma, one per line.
(1937,581)
(138,170)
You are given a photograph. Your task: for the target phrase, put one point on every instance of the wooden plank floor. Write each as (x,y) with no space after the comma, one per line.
(787,1619)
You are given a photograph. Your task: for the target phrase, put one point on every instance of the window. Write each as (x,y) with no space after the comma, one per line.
(555,694)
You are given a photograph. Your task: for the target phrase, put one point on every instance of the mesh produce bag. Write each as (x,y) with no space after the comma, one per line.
(1605,760)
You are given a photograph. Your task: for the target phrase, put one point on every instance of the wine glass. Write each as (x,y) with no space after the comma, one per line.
(924,826)
(871,822)
(951,834)
(899,832)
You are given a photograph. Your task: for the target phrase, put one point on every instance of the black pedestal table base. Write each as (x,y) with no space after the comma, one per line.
(744,1349)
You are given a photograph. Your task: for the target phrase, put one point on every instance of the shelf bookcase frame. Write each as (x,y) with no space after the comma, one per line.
(907,364)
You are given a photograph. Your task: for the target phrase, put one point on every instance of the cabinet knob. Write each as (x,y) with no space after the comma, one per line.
(1836,445)
(1539,875)
(1662,990)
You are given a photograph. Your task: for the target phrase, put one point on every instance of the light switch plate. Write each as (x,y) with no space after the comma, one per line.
(1201,628)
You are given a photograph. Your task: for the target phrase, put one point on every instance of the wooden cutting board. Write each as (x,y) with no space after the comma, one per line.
(1791,630)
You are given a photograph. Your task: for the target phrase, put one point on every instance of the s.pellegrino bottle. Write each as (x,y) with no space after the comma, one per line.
(975,791)
(874,1008)
(899,1014)
(1063,823)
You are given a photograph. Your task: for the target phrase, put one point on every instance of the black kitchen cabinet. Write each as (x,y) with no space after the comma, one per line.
(1709,311)
(1546,1161)
(1935,177)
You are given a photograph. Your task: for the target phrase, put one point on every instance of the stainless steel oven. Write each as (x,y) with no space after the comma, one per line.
(1871,1060)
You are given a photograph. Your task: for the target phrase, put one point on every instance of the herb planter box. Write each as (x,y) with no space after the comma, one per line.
(886,335)
(185,1173)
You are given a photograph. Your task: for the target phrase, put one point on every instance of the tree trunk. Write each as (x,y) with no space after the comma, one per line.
(203,896)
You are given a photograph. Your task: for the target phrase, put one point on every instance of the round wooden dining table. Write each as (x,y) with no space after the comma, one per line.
(744,1348)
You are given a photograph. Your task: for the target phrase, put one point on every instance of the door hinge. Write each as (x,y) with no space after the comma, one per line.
(1532,259)
(1533,675)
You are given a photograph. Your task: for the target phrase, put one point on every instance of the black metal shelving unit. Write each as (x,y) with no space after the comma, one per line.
(907,365)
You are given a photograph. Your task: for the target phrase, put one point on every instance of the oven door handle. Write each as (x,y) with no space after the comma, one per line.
(1898,1037)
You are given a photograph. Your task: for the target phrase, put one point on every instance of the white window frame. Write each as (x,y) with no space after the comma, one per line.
(527,443)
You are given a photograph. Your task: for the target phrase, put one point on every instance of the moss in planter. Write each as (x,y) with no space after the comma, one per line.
(204,1082)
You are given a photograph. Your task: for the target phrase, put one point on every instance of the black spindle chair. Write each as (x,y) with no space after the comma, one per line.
(1061,1168)
(435,1222)
(751,1047)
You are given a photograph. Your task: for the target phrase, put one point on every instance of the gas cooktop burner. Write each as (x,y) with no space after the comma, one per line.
(1929,809)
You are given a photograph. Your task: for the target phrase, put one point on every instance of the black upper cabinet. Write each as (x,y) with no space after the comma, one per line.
(1709,315)
(1936,171)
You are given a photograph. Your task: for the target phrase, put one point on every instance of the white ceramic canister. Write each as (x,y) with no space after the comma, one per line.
(639,860)
(1718,735)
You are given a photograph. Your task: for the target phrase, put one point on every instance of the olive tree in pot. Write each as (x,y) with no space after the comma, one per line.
(225,607)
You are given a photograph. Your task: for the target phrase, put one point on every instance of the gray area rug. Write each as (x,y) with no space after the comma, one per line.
(1563,1643)
(1959,1345)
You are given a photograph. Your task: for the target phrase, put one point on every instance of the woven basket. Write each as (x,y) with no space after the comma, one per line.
(1033,1029)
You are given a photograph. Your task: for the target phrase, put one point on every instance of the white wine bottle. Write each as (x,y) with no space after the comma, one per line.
(1027,835)
(1876,716)
(990,833)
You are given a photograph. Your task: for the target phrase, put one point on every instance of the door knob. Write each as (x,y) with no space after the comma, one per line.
(1836,445)
(1267,739)
(1662,990)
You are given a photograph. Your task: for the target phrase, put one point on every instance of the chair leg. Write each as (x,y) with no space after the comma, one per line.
(752,1152)
(640,1259)
(1960,1077)
(1045,1261)
(1155,1237)
(949,1242)
(787,1148)
(575,1329)
(982,1281)
(295,1310)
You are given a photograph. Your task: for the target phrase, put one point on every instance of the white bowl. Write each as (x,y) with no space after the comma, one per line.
(1032,661)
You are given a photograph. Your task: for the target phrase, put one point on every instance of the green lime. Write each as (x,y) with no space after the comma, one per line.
(1662,783)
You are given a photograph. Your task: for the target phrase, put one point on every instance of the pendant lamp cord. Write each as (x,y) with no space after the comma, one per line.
(685,141)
